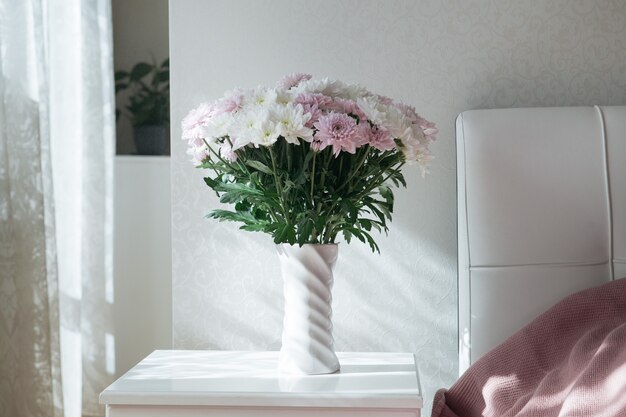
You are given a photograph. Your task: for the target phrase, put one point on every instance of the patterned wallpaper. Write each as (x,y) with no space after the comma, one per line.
(442,56)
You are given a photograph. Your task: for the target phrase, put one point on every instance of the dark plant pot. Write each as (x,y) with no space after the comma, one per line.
(151,140)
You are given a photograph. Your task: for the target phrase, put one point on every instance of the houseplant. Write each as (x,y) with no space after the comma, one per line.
(148,106)
(306,162)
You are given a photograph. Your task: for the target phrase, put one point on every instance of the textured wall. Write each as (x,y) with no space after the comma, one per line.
(442,56)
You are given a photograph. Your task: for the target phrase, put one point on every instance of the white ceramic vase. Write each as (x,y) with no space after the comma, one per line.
(307,340)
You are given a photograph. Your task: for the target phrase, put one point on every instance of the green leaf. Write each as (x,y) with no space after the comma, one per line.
(166,63)
(347,235)
(232,216)
(139,71)
(260,214)
(371,242)
(255,227)
(232,192)
(232,197)
(386,193)
(306,229)
(243,206)
(211,182)
(398,179)
(380,209)
(365,224)
(285,233)
(120,87)
(120,75)
(259,166)
(163,76)
(237,187)
(320,222)
(288,185)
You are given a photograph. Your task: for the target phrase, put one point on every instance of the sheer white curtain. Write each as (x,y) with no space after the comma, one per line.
(56,169)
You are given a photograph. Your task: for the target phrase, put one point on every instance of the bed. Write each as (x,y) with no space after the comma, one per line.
(541,216)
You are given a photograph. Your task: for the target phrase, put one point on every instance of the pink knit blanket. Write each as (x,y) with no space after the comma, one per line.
(570,361)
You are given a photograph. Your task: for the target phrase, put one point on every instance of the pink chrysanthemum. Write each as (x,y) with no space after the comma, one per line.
(193,122)
(198,155)
(384,100)
(429,129)
(228,153)
(337,130)
(408,111)
(197,118)
(314,99)
(313,104)
(381,139)
(341,105)
(292,80)
(231,103)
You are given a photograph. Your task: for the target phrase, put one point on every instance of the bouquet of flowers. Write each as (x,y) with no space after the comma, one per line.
(308,159)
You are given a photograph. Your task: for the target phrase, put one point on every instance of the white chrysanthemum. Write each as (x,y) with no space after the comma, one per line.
(260,97)
(419,135)
(326,86)
(245,126)
(374,110)
(284,96)
(266,133)
(292,120)
(216,127)
(354,92)
(418,154)
(398,125)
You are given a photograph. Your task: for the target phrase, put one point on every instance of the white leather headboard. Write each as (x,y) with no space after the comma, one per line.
(541,214)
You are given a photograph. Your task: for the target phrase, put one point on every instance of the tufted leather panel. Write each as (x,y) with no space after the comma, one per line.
(541,213)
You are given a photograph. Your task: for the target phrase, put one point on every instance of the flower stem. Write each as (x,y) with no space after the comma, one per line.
(356,170)
(313,178)
(289,157)
(279,186)
(375,182)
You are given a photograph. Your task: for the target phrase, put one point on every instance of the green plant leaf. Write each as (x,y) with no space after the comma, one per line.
(306,228)
(370,240)
(277,198)
(255,227)
(140,70)
(347,235)
(285,233)
(259,166)
(211,182)
(120,75)
(386,193)
(232,216)
(163,76)
(120,87)
(366,224)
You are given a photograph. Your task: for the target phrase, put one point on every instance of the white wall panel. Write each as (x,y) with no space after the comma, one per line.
(142,258)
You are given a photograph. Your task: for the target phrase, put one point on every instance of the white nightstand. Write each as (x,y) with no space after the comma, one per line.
(184,383)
